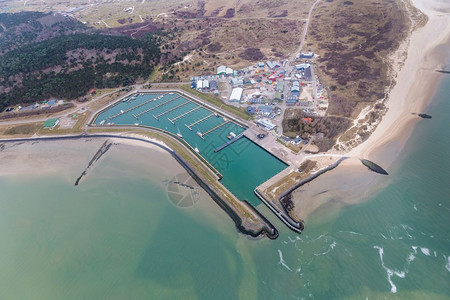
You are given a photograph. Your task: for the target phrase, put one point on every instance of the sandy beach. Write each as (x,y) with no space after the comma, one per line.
(415,86)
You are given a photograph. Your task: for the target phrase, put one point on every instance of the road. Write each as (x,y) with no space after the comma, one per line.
(305,30)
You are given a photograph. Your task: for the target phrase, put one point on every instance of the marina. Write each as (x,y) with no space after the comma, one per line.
(237,159)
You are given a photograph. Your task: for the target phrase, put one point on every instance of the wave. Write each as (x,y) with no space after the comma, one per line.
(447,266)
(390,272)
(425,251)
(282,262)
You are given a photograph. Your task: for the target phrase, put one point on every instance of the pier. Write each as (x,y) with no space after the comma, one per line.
(130,109)
(229,142)
(198,121)
(155,107)
(215,128)
(171,109)
(183,114)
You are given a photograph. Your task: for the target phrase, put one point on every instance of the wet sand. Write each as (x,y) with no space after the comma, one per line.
(416,83)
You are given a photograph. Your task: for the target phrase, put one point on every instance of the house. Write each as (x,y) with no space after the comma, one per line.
(229,71)
(236,94)
(261,64)
(307,55)
(92,92)
(306,120)
(297,141)
(221,70)
(51,102)
(51,123)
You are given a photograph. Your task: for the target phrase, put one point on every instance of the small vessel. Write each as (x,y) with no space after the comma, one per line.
(233,135)
(179,133)
(136,124)
(199,133)
(229,137)
(102,122)
(196,150)
(125,100)
(121,111)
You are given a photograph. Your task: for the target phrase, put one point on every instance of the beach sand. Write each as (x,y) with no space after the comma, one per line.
(415,85)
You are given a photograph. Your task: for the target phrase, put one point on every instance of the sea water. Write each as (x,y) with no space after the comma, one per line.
(118,235)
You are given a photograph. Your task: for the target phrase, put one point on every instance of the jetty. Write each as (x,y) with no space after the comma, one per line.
(132,108)
(229,142)
(183,114)
(154,107)
(171,109)
(215,128)
(198,121)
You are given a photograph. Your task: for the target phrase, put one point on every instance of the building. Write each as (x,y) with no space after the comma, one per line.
(273,64)
(236,95)
(297,141)
(306,120)
(307,55)
(51,123)
(266,124)
(302,67)
(308,74)
(229,71)
(261,64)
(213,85)
(291,100)
(237,81)
(92,92)
(51,102)
(221,70)
(251,110)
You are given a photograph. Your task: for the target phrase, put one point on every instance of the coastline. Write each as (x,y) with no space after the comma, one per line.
(416,84)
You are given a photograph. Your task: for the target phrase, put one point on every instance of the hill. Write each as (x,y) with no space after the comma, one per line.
(55,56)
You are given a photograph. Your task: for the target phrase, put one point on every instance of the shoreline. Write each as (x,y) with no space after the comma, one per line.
(255,225)
(416,84)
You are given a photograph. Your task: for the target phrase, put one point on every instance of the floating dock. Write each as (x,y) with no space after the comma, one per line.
(215,128)
(155,107)
(229,142)
(171,109)
(198,121)
(183,114)
(130,109)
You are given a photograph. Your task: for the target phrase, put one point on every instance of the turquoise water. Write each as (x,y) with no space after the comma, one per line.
(117,235)
(244,165)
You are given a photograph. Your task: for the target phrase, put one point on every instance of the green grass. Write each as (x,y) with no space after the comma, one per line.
(240,112)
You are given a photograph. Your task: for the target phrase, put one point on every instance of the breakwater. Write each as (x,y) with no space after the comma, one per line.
(103,149)
(373,167)
(264,226)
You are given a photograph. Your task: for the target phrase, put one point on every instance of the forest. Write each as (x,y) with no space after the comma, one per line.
(70,63)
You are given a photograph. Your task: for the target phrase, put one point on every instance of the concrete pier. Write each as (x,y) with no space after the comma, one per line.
(183,114)
(198,121)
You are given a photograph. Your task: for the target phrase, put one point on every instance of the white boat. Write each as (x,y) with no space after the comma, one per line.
(180,135)
(121,111)
(199,133)
(196,149)
(136,124)
(102,122)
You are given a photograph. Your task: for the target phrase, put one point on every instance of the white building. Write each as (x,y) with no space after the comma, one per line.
(266,124)
(236,95)
(229,71)
(222,70)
